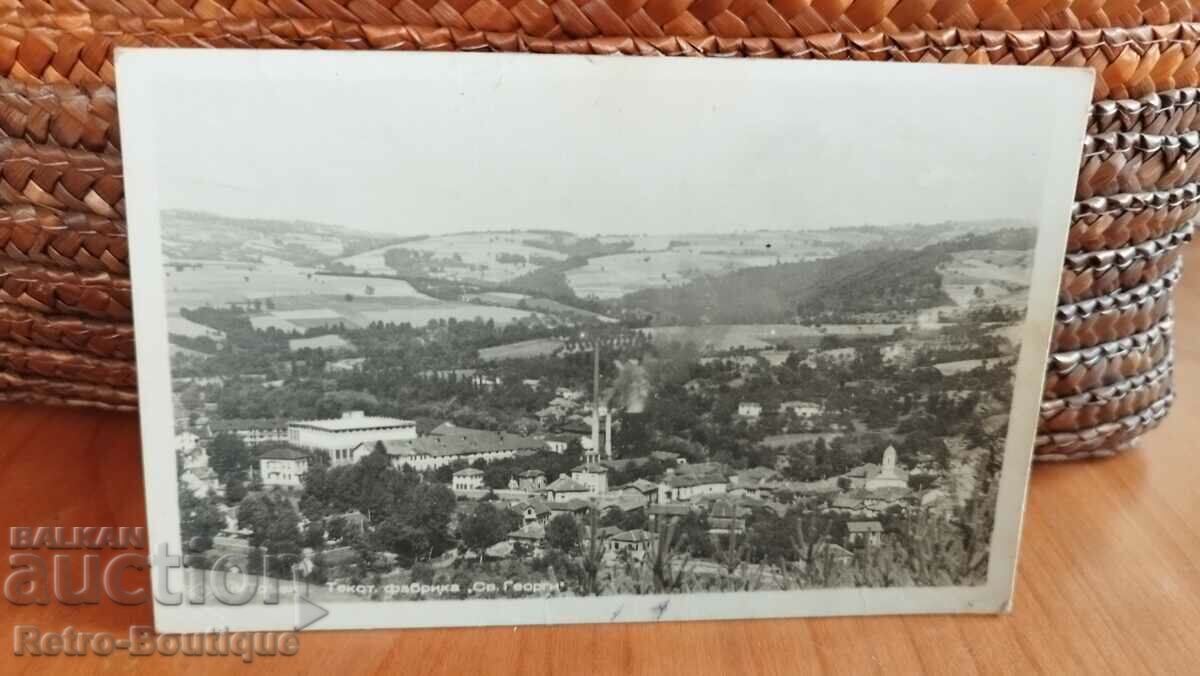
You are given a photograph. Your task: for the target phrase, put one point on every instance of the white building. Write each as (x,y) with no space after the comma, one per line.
(202,482)
(864,533)
(467,479)
(802,409)
(252,431)
(448,443)
(749,409)
(592,475)
(185,442)
(633,543)
(339,437)
(680,488)
(557,443)
(282,466)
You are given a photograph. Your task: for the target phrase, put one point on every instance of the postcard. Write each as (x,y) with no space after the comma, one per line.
(479,339)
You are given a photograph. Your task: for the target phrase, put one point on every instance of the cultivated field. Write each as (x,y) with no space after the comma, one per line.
(464,256)
(656,262)
(987,276)
(539,347)
(762,336)
(218,283)
(952,367)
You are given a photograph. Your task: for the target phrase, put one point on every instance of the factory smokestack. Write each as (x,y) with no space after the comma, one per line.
(608,433)
(596,401)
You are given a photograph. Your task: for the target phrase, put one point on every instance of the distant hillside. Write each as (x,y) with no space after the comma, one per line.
(871,280)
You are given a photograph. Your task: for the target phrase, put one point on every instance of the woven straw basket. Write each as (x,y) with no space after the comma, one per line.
(65,298)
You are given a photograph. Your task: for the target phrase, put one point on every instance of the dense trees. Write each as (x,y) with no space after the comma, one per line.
(486,525)
(199,521)
(562,533)
(275,532)
(228,456)
(411,518)
(419,529)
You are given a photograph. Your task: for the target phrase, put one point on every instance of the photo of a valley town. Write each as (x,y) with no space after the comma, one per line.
(536,413)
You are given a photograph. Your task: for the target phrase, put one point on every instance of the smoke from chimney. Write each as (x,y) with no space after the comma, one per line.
(631,387)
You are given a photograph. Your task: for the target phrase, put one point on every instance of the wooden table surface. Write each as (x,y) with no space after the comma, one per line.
(1109,578)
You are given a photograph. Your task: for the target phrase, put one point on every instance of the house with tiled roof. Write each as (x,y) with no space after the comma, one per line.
(640,487)
(528,539)
(533,511)
(467,479)
(448,443)
(668,457)
(682,487)
(658,514)
(565,488)
(593,475)
(575,507)
(632,543)
(623,503)
(603,533)
(753,476)
(282,466)
(529,480)
(863,533)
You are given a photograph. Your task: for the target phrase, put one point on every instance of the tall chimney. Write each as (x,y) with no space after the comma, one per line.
(608,433)
(596,401)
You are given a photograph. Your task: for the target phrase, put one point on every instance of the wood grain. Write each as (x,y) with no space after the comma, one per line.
(1109,577)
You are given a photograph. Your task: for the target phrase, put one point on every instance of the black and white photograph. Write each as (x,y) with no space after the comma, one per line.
(488,350)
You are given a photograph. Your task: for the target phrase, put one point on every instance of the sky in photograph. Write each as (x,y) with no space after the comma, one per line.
(425,145)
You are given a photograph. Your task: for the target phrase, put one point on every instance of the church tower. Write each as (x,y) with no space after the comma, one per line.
(889,461)
(889,475)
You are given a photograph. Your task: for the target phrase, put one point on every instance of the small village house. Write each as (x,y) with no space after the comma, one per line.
(564,489)
(529,480)
(633,543)
(528,539)
(467,479)
(282,466)
(593,475)
(864,533)
(750,410)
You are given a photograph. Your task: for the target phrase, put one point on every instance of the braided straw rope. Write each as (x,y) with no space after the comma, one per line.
(1105,405)
(1152,248)
(1172,112)
(1109,318)
(1077,371)
(55,291)
(656,18)
(1103,439)
(68,240)
(1118,270)
(1136,162)
(33,389)
(58,332)
(63,365)
(1117,221)
(60,115)
(1129,62)
(37,398)
(60,178)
